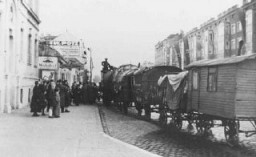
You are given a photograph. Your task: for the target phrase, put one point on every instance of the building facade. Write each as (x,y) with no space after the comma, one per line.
(167,52)
(71,54)
(231,33)
(19,29)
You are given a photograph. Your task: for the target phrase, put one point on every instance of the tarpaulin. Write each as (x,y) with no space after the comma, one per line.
(174,80)
(174,86)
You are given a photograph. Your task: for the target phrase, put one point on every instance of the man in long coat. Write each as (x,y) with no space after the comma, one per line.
(35,102)
(67,95)
(42,96)
(62,93)
(53,100)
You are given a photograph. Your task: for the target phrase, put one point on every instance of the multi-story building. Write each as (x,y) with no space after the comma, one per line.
(18,52)
(232,33)
(167,51)
(249,8)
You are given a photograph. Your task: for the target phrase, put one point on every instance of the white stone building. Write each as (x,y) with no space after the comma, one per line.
(18,52)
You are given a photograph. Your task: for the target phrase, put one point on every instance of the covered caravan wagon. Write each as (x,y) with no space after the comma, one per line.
(149,87)
(136,87)
(122,86)
(172,91)
(225,90)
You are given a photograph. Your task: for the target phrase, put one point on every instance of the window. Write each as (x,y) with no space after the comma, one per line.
(211,36)
(21,95)
(21,43)
(212,80)
(228,28)
(239,27)
(29,55)
(35,53)
(62,76)
(233,44)
(195,80)
(227,46)
(11,14)
(29,93)
(233,28)
(11,52)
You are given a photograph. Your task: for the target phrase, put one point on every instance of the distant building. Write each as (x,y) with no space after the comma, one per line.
(72,57)
(167,51)
(232,33)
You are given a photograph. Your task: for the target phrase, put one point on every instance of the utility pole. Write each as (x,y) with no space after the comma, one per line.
(91,64)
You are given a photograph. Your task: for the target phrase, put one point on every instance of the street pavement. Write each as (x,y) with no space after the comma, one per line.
(164,141)
(75,134)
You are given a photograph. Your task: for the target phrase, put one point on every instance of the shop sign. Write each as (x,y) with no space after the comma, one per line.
(48,63)
(68,51)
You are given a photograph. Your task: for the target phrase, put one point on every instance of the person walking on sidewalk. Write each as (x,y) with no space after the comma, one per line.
(53,100)
(73,88)
(68,96)
(77,94)
(62,92)
(35,103)
(42,95)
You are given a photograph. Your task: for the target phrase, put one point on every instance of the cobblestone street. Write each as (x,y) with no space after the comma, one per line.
(166,141)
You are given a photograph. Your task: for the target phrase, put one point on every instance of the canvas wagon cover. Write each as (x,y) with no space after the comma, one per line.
(122,72)
(152,75)
(175,87)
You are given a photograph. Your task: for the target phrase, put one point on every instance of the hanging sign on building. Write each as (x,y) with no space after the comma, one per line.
(48,63)
(68,50)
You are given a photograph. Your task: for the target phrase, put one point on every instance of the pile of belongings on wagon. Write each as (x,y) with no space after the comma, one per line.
(173,86)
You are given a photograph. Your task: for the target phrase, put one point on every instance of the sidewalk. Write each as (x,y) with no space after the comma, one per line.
(76,134)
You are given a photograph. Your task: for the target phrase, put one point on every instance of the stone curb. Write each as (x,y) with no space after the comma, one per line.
(130,146)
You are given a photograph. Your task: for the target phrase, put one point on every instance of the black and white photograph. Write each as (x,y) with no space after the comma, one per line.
(127,78)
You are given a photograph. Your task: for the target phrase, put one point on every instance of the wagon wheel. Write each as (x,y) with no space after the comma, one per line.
(147,111)
(190,119)
(231,131)
(125,107)
(176,120)
(163,117)
(199,127)
(138,108)
(203,127)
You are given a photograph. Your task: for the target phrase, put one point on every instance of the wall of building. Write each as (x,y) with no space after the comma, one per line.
(232,33)
(167,51)
(18,51)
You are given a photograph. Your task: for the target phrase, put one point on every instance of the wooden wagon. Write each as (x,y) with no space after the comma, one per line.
(148,87)
(122,85)
(224,90)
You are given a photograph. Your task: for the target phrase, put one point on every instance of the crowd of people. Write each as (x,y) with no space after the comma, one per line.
(55,98)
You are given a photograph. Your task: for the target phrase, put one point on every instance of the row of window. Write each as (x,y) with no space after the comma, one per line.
(234,43)
(29,48)
(236,27)
(211,81)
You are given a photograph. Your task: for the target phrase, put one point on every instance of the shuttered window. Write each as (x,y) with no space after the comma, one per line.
(212,80)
